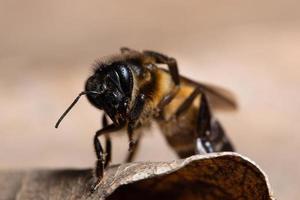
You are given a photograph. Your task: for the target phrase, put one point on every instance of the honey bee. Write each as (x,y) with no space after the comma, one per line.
(134,89)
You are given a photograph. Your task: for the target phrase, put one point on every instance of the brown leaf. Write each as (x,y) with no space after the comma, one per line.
(207,177)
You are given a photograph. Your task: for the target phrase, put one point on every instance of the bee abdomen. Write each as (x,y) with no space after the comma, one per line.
(180,135)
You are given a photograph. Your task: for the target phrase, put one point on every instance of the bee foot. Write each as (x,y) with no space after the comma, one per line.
(95,186)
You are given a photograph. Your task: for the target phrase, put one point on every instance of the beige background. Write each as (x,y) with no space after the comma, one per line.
(250,47)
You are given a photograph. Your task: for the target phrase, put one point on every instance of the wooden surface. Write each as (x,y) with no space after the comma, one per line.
(209,177)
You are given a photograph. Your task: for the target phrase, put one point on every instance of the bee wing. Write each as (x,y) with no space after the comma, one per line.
(219,98)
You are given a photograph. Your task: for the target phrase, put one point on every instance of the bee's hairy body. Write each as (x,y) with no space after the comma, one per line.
(134,89)
(180,132)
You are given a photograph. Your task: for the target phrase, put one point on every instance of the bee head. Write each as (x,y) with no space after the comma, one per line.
(112,86)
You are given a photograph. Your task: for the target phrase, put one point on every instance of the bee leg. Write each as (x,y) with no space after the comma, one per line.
(210,134)
(107,150)
(130,132)
(134,115)
(132,153)
(173,69)
(101,155)
(169,61)
(203,120)
(219,138)
(107,143)
(187,103)
(203,145)
(99,170)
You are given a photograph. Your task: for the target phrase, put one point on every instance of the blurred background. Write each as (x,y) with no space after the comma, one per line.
(250,47)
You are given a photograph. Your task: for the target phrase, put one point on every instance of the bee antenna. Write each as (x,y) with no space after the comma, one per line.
(72,104)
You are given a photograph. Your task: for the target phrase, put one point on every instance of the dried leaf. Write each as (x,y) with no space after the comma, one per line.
(207,177)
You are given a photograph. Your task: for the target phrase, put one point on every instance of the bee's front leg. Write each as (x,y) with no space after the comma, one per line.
(130,131)
(108,144)
(134,116)
(103,158)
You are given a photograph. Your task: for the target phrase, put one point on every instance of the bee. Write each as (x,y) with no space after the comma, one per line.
(135,88)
